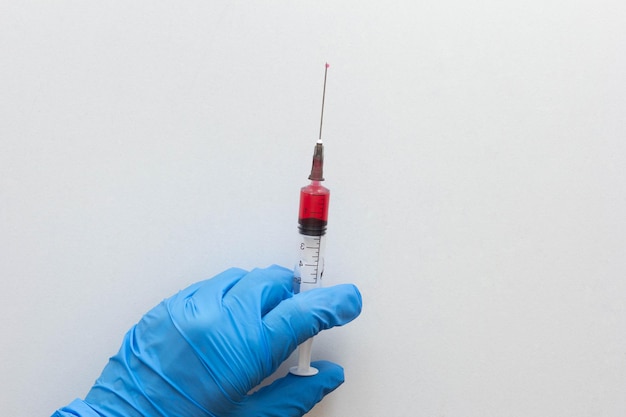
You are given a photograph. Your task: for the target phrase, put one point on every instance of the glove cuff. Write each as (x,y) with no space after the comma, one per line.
(76,408)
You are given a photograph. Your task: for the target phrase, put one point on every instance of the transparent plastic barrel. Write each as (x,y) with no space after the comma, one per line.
(308,275)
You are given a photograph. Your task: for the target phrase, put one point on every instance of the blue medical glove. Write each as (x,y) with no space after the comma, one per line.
(201,352)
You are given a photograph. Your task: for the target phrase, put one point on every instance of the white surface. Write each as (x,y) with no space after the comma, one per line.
(475,151)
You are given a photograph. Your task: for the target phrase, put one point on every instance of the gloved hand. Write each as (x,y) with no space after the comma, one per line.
(200,352)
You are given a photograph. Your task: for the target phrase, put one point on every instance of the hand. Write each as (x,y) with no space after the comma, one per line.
(200,352)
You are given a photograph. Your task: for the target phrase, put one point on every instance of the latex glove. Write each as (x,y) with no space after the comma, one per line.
(200,352)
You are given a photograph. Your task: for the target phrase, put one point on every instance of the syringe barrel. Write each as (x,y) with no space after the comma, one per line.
(312,221)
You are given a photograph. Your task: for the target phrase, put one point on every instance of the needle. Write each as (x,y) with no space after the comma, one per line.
(323,97)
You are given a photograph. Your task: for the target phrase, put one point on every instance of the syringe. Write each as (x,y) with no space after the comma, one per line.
(312,221)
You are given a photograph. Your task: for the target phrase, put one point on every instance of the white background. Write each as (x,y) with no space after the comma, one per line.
(475,152)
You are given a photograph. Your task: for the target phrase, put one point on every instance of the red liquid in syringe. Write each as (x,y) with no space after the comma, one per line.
(313,213)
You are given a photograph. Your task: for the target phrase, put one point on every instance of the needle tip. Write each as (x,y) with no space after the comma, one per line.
(327,65)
